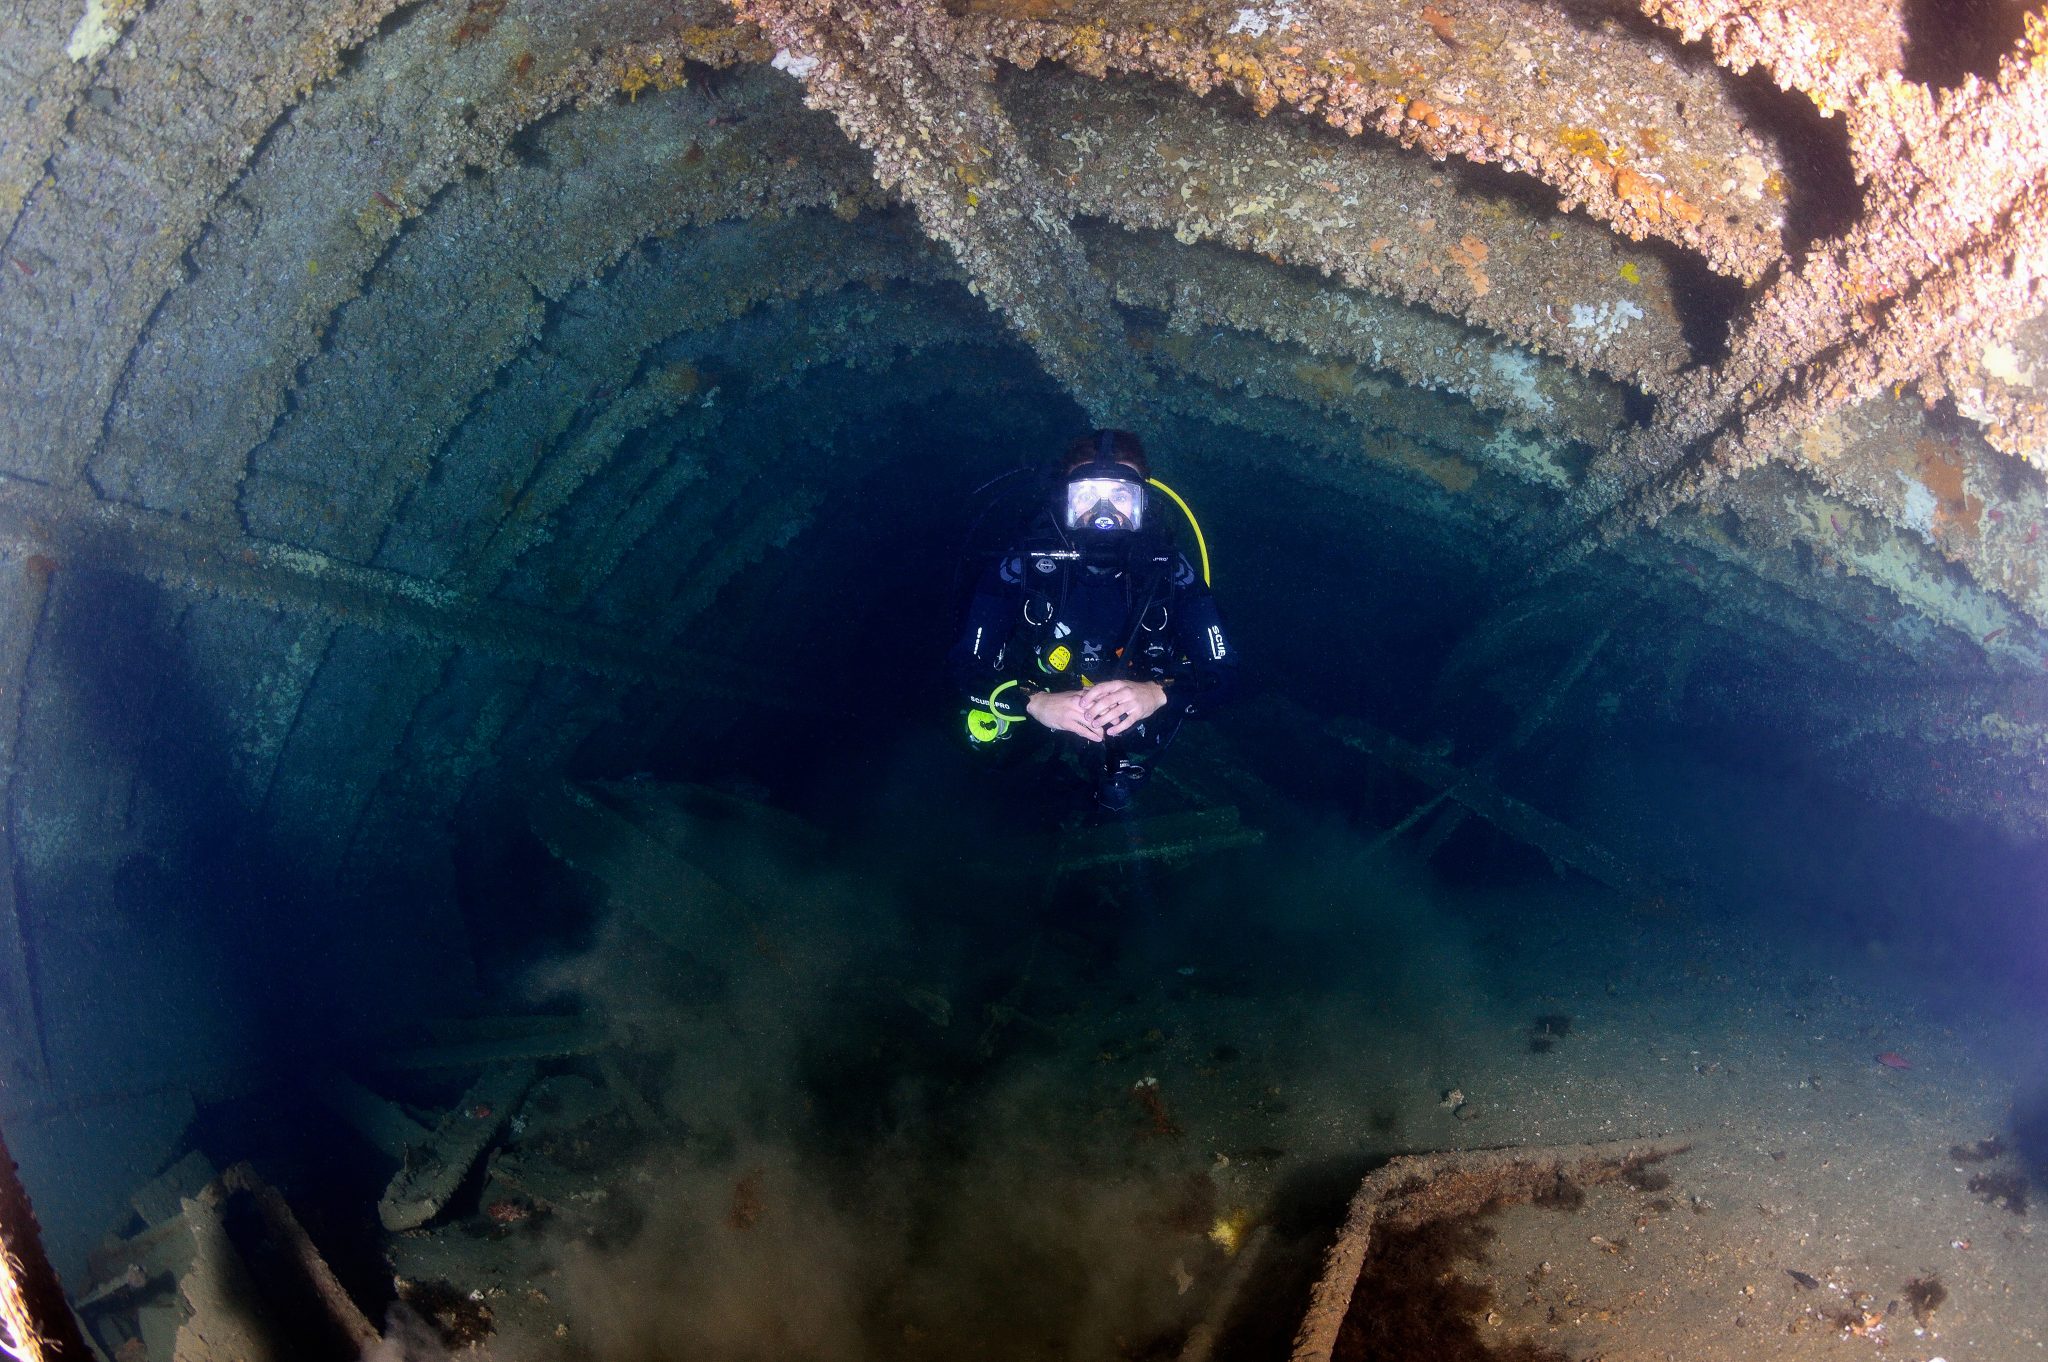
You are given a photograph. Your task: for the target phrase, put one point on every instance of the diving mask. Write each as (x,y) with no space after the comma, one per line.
(1105,502)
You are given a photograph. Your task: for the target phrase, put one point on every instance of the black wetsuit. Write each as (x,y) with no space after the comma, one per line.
(1045,618)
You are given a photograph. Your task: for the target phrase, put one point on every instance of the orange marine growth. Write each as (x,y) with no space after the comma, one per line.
(1441,24)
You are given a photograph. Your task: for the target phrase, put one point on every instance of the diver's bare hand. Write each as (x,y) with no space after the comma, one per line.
(1115,706)
(1061,711)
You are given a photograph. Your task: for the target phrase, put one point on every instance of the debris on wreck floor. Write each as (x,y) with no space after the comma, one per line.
(1124,1131)
(1473,790)
(224,1271)
(1375,1251)
(1548,1255)
(230,1275)
(1174,837)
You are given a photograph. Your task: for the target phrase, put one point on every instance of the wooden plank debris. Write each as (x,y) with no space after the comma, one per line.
(1170,837)
(288,1234)
(122,1267)
(162,1197)
(430,1173)
(1563,844)
(384,1124)
(543,1043)
(230,1276)
(666,895)
(1203,773)
(220,1323)
(620,1083)
(1538,714)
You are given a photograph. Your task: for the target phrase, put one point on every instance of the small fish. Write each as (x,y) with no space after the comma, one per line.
(1892,1059)
(1804,1282)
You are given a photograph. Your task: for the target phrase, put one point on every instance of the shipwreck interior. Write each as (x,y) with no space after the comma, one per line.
(486,491)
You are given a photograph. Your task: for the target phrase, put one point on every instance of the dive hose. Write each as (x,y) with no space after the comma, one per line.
(1201,544)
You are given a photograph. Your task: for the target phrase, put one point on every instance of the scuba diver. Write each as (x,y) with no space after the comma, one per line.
(1094,626)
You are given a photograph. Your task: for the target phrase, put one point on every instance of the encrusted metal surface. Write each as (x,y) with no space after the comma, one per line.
(1383,221)
(1576,99)
(433,367)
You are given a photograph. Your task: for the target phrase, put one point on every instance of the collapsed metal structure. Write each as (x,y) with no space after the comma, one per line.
(428,369)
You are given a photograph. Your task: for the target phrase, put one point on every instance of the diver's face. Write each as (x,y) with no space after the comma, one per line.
(1105,504)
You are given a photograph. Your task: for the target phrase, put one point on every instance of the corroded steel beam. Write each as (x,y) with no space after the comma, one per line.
(101,234)
(354,167)
(65,529)
(1380,220)
(618,360)
(1609,119)
(1945,261)
(684,410)
(1205,289)
(906,84)
(24,598)
(454,303)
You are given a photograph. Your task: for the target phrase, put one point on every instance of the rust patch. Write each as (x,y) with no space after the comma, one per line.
(1942,472)
(1470,255)
(478,21)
